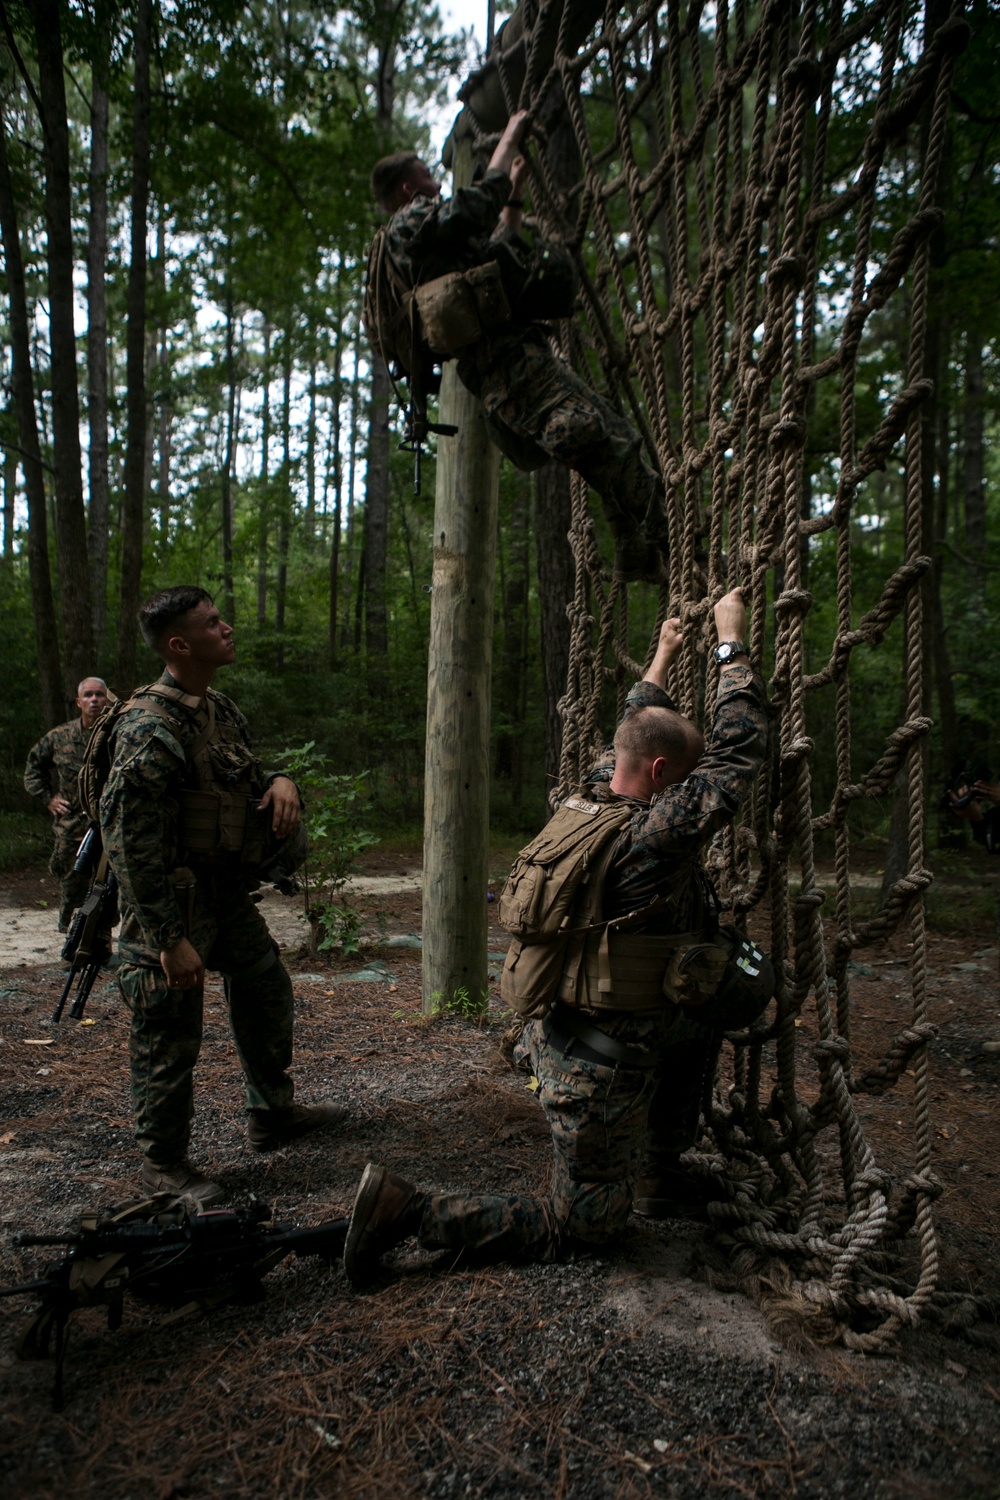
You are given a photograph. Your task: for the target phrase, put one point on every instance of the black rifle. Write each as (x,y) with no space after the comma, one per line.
(417,429)
(164,1255)
(88,943)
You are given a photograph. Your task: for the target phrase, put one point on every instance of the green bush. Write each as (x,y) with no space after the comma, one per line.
(332,804)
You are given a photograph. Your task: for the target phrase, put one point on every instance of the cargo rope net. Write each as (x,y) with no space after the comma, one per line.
(704,229)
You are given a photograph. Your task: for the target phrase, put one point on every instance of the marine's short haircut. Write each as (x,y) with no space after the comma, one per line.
(164,609)
(387,175)
(90,677)
(652,732)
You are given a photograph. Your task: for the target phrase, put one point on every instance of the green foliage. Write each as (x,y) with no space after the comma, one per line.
(336,840)
(461,1003)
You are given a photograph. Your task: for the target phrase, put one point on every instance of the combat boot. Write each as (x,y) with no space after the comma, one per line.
(271,1128)
(183,1182)
(671,1192)
(639,560)
(387,1210)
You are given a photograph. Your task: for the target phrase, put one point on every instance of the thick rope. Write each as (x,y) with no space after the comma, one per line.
(709,224)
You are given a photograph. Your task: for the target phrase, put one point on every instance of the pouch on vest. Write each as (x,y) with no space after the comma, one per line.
(553,895)
(459,308)
(725,983)
(267,856)
(212,824)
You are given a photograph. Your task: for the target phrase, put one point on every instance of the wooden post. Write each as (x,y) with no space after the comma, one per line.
(456,765)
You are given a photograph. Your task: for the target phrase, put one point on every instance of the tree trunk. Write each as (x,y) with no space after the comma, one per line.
(134,498)
(97,350)
(23,401)
(456,774)
(164,400)
(228,599)
(973,486)
(71,525)
(377,524)
(350,525)
(285,513)
(265,477)
(335,466)
(556,578)
(387,18)
(310,530)
(514,655)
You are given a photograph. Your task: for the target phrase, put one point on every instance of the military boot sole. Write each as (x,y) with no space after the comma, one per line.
(365,1201)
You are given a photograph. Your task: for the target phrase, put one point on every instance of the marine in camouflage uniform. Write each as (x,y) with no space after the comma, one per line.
(536,407)
(609,1119)
(173,901)
(51,774)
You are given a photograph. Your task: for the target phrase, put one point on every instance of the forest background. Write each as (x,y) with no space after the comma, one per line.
(188,396)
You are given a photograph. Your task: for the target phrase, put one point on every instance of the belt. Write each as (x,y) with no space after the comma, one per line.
(570,1034)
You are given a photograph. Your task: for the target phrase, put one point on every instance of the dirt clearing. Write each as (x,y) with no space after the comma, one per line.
(608,1376)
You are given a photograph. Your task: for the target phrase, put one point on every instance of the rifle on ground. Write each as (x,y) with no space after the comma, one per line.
(88,943)
(158,1251)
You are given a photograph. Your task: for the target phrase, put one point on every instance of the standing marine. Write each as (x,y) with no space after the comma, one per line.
(537,408)
(51,775)
(184,813)
(628,1036)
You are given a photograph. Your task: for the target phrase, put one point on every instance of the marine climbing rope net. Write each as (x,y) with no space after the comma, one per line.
(729,278)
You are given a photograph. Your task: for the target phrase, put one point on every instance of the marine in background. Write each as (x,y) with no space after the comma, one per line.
(180,813)
(51,775)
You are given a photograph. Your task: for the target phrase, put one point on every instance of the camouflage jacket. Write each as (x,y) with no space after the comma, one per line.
(139,811)
(668,833)
(54,765)
(429,237)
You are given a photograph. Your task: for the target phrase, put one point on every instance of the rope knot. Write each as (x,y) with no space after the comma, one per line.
(805,72)
(787,268)
(793,602)
(807,901)
(797,750)
(833,1049)
(786,433)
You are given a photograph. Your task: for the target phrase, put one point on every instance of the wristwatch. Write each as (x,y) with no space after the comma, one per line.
(728,651)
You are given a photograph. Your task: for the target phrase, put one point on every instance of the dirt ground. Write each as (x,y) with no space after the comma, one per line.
(625,1375)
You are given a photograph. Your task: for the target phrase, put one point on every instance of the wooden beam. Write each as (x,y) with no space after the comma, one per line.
(457,760)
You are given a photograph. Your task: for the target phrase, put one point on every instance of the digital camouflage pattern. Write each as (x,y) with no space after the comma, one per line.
(230,933)
(52,768)
(140,810)
(537,408)
(139,824)
(610,1123)
(683,818)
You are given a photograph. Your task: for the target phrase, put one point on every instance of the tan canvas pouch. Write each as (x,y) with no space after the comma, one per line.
(457,309)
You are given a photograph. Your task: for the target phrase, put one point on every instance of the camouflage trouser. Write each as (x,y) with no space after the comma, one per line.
(597,1115)
(603,1134)
(537,408)
(73,888)
(687,1066)
(167,1025)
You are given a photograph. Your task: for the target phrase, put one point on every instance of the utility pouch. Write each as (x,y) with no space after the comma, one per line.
(258,840)
(620,971)
(213,824)
(725,983)
(694,973)
(460,307)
